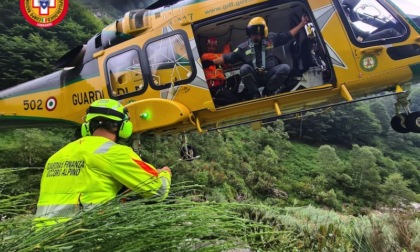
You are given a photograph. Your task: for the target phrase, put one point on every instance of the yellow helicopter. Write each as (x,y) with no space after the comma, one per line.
(149,60)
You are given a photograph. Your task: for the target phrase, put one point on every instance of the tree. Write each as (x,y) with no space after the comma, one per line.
(310,126)
(410,172)
(269,159)
(415,98)
(365,175)
(385,165)
(23,59)
(379,110)
(31,147)
(331,166)
(396,191)
(352,124)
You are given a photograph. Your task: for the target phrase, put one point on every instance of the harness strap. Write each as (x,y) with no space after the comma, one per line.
(264,47)
(254,58)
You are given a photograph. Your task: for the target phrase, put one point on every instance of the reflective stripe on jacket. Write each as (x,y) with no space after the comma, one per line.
(91,171)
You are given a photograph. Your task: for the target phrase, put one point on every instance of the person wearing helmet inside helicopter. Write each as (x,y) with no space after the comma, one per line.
(214,72)
(261,67)
(93,169)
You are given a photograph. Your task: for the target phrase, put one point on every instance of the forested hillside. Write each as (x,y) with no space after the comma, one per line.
(346,159)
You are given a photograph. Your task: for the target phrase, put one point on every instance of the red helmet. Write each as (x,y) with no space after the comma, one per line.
(211,41)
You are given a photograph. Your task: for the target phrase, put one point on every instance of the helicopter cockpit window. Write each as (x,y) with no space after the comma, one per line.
(169,60)
(370,21)
(410,8)
(124,73)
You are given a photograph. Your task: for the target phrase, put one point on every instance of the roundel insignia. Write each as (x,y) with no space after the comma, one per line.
(368,62)
(51,103)
(44,13)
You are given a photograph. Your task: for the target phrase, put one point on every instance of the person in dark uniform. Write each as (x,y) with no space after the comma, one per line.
(261,67)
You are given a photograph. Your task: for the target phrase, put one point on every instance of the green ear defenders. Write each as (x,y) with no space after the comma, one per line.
(85,130)
(112,110)
(126,128)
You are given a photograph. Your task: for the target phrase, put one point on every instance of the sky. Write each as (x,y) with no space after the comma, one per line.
(411,7)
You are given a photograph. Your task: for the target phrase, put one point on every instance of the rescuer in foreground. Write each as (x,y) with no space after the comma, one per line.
(93,169)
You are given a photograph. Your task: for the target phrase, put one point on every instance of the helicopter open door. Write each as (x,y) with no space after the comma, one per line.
(280,17)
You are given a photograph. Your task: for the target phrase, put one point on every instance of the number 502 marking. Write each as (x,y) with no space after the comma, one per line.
(32,104)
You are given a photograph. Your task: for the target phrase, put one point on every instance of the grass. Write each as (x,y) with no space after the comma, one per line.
(182,224)
(298,155)
(178,224)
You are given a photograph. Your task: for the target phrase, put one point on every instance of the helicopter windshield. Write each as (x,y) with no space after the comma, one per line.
(370,21)
(369,10)
(411,8)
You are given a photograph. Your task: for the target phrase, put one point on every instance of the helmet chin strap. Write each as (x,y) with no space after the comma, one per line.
(117,135)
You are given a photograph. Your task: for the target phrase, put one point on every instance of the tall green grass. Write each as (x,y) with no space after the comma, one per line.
(178,224)
(181,223)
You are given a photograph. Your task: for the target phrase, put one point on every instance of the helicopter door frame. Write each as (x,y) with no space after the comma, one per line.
(238,19)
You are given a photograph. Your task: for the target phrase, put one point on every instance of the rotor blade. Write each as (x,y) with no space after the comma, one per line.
(160,3)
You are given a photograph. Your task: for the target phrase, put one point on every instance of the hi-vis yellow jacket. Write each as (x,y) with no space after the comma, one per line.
(91,171)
